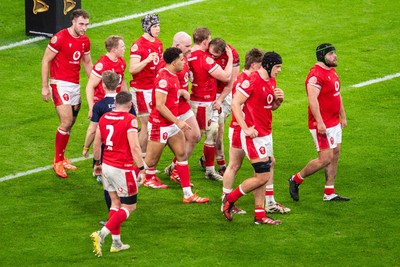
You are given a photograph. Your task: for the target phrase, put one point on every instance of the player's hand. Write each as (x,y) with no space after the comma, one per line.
(185,94)
(85,152)
(140,178)
(321,128)
(216,105)
(251,132)
(279,95)
(228,51)
(46,93)
(151,57)
(90,114)
(183,125)
(97,170)
(343,122)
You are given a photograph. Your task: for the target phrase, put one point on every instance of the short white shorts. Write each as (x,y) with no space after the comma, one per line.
(161,133)
(65,93)
(257,148)
(142,100)
(121,181)
(332,137)
(203,112)
(186,115)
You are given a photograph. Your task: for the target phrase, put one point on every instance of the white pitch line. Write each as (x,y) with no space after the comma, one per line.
(21,43)
(45,168)
(377,80)
(108,22)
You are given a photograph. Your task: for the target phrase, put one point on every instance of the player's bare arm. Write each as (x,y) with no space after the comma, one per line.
(123,85)
(47,58)
(236,106)
(97,152)
(185,94)
(136,66)
(166,113)
(90,134)
(90,87)
(227,89)
(135,148)
(313,93)
(87,64)
(342,114)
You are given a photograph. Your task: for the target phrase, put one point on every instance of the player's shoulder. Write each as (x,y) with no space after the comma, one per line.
(57,38)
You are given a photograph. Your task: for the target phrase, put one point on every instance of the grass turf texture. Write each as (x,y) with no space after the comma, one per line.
(47,221)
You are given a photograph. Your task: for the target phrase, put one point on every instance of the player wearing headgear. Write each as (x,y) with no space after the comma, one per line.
(259,97)
(145,54)
(326,118)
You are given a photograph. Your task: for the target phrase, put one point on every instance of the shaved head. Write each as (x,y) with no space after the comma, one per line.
(183,41)
(181,37)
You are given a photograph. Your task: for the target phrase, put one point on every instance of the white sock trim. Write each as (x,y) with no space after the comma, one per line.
(126,212)
(241,191)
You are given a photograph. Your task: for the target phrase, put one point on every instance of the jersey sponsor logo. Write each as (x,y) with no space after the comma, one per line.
(245,84)
(209,60)
(270,98)
(53,40)
(134,48)
(262,150)
(76,56)
(337,86)
(156,60)
(99,66)
(162,83)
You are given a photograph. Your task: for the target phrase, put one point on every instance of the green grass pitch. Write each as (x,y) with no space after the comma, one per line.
(46,221)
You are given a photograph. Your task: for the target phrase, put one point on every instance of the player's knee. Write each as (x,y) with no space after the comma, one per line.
(235,166)
(211,134)
(272,161)
(325,158)
(193,136)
